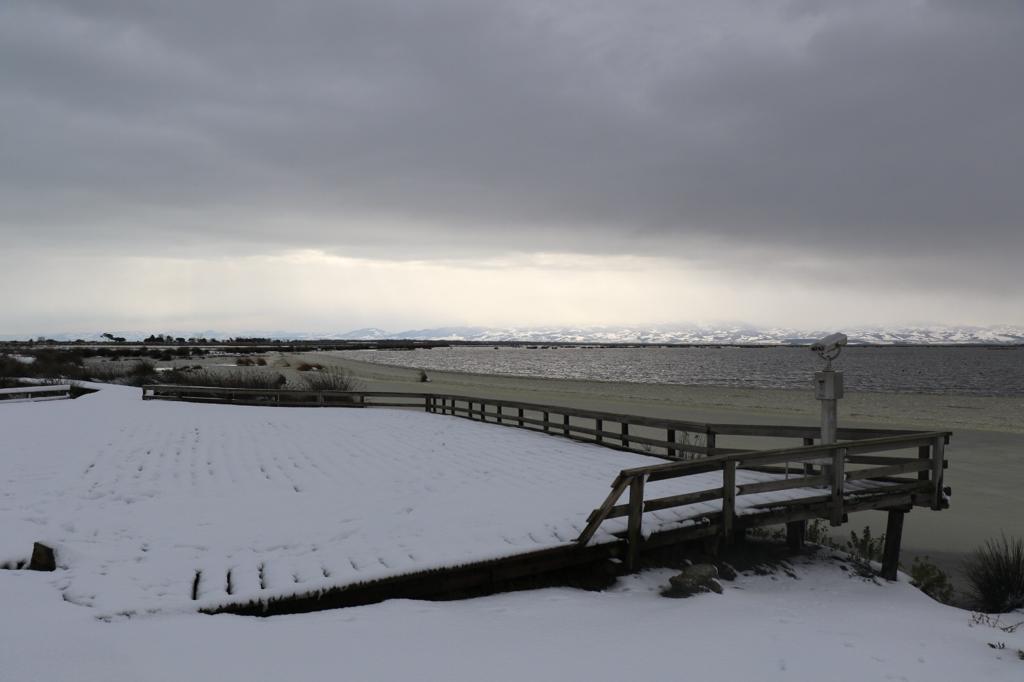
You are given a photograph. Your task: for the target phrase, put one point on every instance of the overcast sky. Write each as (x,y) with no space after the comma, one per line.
(321,165)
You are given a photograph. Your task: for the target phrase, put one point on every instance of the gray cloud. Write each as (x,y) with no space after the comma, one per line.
(880,129)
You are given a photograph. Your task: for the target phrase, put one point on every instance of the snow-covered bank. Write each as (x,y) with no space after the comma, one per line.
(826,625)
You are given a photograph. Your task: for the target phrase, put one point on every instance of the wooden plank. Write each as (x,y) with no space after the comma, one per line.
(683,499)
(619,486)
(675,469)
(786,484)
(809,500)
(668,502)
(893,470)
(776,431)
(881,460)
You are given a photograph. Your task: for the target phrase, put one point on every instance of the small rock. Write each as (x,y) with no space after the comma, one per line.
(693,580)
(43,558)
(726,571)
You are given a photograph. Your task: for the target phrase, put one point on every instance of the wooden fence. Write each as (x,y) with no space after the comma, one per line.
(21,394)
(670,439)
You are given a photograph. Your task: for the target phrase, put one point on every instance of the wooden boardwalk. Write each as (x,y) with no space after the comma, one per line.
(728,490)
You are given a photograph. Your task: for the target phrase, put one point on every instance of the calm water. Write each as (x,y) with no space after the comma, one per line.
(962,371)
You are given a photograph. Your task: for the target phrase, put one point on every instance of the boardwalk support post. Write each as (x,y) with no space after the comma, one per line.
(796,531)
(893,537)
(938,462)
(838,474)
(728,500)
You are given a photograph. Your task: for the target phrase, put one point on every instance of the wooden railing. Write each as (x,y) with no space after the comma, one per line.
(830,468)
(21,394)
(670,439)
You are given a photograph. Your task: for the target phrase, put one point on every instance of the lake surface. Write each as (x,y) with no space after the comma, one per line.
(937,370)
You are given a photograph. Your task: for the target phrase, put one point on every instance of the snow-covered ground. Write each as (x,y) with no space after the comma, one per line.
(141,497)
(825,625)
(138,496)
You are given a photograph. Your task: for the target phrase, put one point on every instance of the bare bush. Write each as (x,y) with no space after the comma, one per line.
(330,380)
(996,575)
(254,379)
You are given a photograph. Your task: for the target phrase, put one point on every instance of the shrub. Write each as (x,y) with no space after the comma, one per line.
(308,367)
(930,579)
(864,546)
(260,380)
(245,362)
(995,574)
(330,380)
(135,374)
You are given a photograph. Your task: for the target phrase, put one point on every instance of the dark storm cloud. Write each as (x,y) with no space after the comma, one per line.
(889,128)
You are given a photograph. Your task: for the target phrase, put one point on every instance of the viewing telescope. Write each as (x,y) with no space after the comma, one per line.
(832,343)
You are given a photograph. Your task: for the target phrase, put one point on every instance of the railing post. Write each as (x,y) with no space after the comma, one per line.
(838,477)
(599,427)
(670,437)
(728,499)
(565,425)
(625,435)
(499,408)
(710,441)
(520,417)
(924,452)
(938,462)
(636,515)
(547,423)
(808,466)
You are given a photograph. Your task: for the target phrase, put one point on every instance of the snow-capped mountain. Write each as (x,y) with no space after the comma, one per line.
(663,334)
(712,335)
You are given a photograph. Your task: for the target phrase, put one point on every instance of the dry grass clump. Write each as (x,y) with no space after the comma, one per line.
(996,575)
(330,380)
(251,379)
(132,374)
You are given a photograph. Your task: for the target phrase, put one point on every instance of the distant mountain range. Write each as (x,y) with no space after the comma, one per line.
(665,334)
